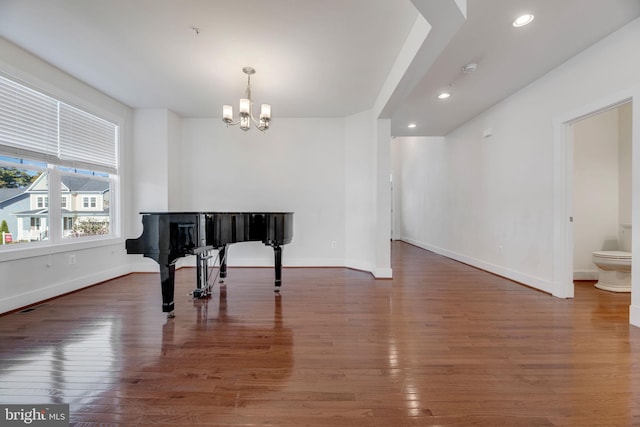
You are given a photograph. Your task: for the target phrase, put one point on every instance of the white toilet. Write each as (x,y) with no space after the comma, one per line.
(614,267)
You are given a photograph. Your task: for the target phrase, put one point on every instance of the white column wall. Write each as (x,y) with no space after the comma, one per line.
(382,168)
(360,190)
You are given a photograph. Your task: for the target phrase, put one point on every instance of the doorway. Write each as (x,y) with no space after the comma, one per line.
(565,206)
(601,188)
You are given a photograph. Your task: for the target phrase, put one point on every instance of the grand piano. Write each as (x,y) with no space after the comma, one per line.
(167,236)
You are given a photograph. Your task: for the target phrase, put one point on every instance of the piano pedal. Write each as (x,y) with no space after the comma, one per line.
(200,293)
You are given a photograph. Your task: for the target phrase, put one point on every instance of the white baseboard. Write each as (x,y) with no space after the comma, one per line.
(383,273)
(56,289)
(585,275)
(525,279)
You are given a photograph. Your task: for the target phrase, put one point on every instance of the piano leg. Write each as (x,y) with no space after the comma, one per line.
(202,266)
(167,279)
(277,254)
(222,254)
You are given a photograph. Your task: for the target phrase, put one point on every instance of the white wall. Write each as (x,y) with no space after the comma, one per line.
(490,201)
(29,276)
(297,166)
(420,188)
(174,123)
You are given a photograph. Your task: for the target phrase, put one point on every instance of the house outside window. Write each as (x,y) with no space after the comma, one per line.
(89,202)
(24,217)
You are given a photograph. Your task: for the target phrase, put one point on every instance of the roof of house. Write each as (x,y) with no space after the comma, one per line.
(10,193)
(74,184)
(84,184)
(71,183)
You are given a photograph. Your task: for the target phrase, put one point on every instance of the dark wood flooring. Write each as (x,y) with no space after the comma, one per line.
(442,344)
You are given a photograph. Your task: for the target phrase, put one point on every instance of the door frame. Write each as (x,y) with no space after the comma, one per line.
(563,192)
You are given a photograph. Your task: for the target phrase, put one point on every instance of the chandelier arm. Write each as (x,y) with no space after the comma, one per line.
(233,123)
(256,123)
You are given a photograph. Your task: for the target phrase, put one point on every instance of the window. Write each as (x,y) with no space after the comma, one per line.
(92,191)
(58,169)
(23,214)
(89,202)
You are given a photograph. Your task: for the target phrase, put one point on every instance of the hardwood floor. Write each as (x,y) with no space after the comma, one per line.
(442,344)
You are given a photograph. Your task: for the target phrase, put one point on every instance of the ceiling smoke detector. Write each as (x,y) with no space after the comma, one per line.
(469,68)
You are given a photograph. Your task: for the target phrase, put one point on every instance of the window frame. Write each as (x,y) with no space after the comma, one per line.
(42,202)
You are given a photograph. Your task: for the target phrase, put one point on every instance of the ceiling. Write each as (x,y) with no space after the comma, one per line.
(314,58)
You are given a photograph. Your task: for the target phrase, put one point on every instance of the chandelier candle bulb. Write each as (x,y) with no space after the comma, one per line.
(265,112)
(245,106)
(227,113)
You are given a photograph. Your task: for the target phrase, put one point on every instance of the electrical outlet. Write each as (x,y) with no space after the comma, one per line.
(72,259)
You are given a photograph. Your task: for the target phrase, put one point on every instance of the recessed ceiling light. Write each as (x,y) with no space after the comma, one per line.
(523,20)
(444,95)
(411,125)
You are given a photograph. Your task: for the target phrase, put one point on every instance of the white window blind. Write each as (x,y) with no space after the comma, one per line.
(28,122)
(86,141)
(42,128)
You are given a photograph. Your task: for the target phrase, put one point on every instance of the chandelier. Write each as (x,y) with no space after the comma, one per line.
(246,109)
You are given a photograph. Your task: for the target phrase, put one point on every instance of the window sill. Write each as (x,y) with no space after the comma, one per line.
(32,250)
